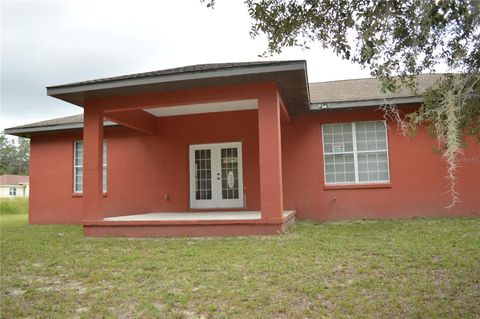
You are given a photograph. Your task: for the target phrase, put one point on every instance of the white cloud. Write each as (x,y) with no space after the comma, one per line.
(54,42)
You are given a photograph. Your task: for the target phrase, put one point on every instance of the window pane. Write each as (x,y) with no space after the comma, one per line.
(381,145)
(329,168)
(104,179)
(383,165)
(350,177)
(104,153)
(339,168)
(78,166)
(340,178)
(371,145)
(78,187)
(328,147)
(330,178)
(327,138)
(203,174)
(371,136)
(361,146)
(104,173)
(337,138)
(370,126)
(383,175)
(363,176)
(78,153)
(373,167)
(349,147)
(380,126)
(327,128)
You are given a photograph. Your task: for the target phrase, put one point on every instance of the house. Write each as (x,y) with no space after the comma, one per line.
(12,186)
(234,149)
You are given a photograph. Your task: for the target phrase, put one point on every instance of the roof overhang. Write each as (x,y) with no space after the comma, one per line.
(26,131)
(291,78)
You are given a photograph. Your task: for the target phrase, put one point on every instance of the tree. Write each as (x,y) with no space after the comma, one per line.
(14,156)
(395,40)
(23,156)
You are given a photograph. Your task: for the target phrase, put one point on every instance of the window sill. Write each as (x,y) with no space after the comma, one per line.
(81,194)
(357,186)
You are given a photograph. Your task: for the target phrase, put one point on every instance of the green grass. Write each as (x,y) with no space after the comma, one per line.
(424,268)
(9,206)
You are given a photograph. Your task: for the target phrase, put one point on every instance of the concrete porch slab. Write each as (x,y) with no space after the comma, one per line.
(188,224)
(193,216)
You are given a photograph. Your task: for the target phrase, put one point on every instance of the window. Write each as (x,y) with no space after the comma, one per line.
(78,167)
(12,191)
(355,153)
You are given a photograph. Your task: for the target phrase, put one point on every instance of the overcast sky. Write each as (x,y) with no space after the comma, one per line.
(54,42)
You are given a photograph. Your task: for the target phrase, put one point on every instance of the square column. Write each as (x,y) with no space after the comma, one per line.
(270,153)
(92,164)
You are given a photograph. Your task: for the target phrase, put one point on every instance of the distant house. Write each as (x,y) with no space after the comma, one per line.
(14,186)
(235,149)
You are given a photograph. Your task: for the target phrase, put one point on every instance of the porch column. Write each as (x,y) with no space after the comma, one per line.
(270,151)
(92,164)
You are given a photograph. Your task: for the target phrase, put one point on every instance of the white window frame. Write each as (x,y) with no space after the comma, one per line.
(104,166)
(12,193)
(355,153)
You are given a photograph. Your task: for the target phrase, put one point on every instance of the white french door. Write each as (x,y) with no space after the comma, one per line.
(216,179)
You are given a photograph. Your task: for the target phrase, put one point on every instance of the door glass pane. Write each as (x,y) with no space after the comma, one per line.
(203,175)
(229,173)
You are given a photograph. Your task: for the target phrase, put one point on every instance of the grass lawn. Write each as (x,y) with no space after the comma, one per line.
(404,268)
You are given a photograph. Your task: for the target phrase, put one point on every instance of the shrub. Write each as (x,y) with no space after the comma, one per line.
(10,206)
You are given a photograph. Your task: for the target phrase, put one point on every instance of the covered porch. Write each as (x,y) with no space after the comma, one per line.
(214,203)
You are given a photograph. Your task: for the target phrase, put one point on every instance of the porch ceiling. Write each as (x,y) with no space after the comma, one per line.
(204,108)
(290,76)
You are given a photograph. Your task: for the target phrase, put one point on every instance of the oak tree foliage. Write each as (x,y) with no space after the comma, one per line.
(395,40)
(14,156)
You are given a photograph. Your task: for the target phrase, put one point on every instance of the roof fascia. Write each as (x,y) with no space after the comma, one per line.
(372,102)
(13,131)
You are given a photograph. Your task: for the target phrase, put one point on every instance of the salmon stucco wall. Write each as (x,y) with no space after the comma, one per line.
(149,173)
(145,173)
(417,175)
(51,180)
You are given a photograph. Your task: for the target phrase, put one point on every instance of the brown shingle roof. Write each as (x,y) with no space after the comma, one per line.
(362,89)
(13,179)
(197,68)
(290,76)
(321,92)
(74,119)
